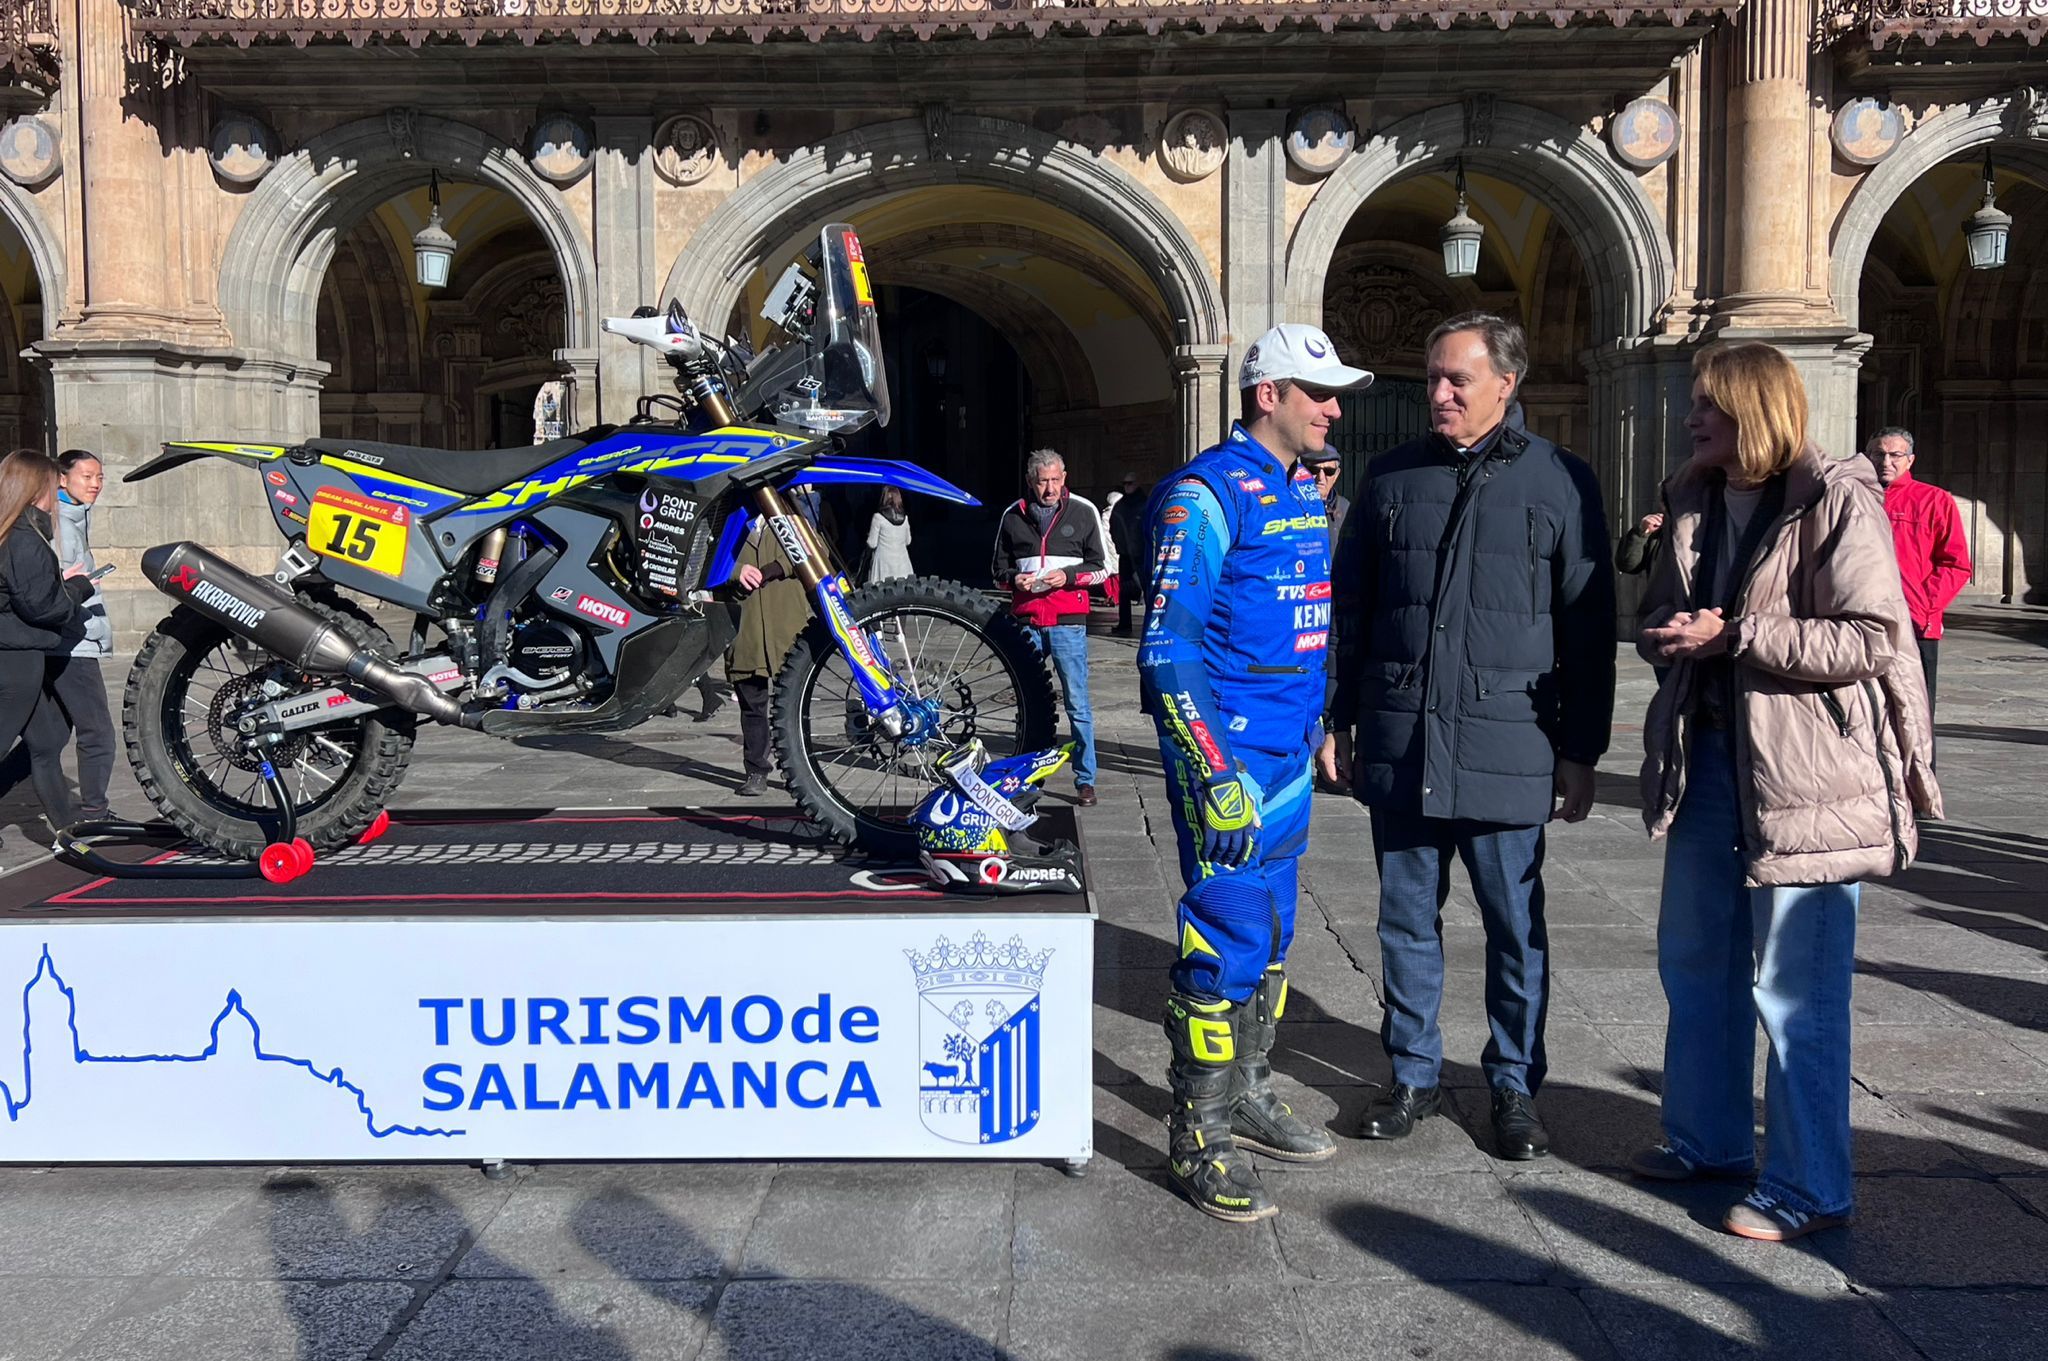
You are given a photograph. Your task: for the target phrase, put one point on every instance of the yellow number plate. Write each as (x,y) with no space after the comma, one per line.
(354,529)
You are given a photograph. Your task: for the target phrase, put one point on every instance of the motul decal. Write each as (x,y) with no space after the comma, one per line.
(598,609)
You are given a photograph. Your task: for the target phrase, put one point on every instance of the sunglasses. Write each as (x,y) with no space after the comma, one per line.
(1324,472)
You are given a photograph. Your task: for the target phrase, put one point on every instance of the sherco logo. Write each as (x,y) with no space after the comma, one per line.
(234,607)
(598,609)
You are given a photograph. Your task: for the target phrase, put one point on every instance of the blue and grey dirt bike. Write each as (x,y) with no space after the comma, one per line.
(578,585)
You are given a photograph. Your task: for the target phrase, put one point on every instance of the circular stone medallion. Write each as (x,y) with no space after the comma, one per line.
(684,150)
(560,147)
(1644,134)
(1866,131)
(1322,137)
(1193,145)
(29,151)
(241,149)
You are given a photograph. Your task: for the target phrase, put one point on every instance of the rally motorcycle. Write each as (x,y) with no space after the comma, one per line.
(577,585)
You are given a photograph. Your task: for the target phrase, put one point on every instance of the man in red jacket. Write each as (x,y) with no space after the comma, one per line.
(1927,531)
(1049,552)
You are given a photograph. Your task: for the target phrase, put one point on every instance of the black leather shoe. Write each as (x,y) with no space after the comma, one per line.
(1517,1133)
(1394,1115)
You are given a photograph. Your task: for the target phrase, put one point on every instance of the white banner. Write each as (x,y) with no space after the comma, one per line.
(253,1041)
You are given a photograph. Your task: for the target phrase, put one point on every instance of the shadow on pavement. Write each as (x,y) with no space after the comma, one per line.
(772,1315)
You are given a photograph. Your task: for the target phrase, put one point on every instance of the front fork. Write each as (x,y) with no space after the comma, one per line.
(895,714)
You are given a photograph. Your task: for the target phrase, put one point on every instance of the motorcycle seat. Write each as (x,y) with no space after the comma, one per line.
(473,472)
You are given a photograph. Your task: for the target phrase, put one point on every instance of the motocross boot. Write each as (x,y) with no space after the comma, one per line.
(1259,1119)
(1203,1162)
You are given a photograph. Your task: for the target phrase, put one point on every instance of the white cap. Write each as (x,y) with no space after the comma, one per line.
(1303,353)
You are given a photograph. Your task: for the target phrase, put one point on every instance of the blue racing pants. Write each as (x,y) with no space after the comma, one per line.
(1234,923)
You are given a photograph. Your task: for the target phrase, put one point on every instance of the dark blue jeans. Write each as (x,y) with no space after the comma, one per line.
(1505,864)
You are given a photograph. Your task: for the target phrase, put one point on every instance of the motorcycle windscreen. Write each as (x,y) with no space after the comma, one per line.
(881,472)
(848,384)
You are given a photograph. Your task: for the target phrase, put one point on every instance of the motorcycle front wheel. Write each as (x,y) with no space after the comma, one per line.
(191,680)
(944,643)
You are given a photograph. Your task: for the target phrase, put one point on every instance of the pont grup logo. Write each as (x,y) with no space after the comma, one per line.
(978,1038)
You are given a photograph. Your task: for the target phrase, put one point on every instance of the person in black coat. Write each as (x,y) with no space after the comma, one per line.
(41,614)
(1474,623)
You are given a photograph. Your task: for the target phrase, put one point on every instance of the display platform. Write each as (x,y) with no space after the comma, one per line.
(529,986)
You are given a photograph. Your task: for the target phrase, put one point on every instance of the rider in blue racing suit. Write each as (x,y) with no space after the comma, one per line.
(1231,667)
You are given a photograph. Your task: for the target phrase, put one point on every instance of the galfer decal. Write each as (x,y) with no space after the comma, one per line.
(311,706)
(599,609)
(786,535)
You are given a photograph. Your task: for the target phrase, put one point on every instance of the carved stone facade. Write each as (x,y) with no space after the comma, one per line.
(1079,215)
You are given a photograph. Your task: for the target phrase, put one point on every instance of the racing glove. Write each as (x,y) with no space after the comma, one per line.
(1230,821)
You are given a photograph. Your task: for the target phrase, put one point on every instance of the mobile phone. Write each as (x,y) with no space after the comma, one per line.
(96,573)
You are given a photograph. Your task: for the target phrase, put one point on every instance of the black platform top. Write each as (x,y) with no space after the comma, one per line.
(530,863)
(470,471)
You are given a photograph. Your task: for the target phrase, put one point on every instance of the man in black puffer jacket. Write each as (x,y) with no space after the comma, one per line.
(1474,626)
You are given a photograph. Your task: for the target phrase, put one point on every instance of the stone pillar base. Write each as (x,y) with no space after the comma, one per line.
(124,400)
(1198,378)
(1827,358)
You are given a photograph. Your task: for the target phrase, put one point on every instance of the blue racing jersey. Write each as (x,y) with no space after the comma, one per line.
(1238,613)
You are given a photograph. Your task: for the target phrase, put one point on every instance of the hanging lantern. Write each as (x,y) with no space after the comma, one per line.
(1989,230)
(433,249)
(1461,236)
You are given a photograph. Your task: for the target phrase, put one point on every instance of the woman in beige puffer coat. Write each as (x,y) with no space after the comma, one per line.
(1787,755)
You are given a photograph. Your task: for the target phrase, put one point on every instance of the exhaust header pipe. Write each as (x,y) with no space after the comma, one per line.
(270,616)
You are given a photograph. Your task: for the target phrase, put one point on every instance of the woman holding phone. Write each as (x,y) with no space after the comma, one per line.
(75,676)
(42,616)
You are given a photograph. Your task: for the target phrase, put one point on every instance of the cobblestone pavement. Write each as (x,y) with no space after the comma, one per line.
(1429,1248)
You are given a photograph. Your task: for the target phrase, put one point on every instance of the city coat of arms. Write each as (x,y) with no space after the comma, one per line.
(978,1038)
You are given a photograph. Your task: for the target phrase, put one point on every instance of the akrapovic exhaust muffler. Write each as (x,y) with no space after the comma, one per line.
(269,616)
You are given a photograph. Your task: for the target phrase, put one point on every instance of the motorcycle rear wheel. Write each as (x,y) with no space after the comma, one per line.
(942,641)
(176,718)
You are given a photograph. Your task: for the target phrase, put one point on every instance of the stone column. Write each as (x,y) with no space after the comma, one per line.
(1198,378)
(1774,264)
(1254,224)
(627,275)
(1638,393)
(579,398)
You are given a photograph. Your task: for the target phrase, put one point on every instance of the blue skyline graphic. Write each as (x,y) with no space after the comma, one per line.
(47,966)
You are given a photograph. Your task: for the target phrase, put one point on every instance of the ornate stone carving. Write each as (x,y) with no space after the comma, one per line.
(1193,145)
(2031,106)
(533,320)
(1321,138)
(1866,131)
(404,126)
(1644,134)
(1478,119)
(685,149)
(1380,314)
(241,149)
(29,151)
(560,149)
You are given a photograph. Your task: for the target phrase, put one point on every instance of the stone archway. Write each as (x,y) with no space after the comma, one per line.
(2017,121)
(21,213)
(285,238)
(1617,230)
(816,182)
